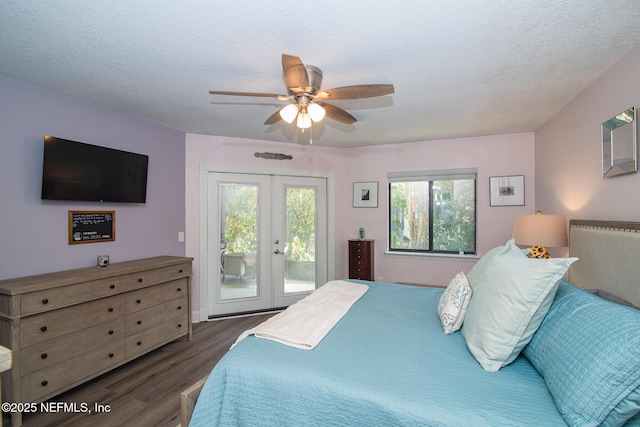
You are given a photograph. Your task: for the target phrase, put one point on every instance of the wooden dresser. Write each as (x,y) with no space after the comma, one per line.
(67,327)
(361,259)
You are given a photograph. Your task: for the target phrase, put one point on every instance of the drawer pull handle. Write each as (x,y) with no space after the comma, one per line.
(112,286)
(181,271)
(139,322)
(179,325)
(179,307)
(43,328)
(179,289)
(139,343)
(44,355)
(110,309)
(140,280)
(111,332)
(138,301)
(44,383)
(45,300)
(110,354)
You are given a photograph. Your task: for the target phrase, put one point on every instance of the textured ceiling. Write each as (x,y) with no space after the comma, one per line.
(460,68)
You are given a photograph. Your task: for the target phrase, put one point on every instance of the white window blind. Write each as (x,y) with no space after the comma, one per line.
(433,175)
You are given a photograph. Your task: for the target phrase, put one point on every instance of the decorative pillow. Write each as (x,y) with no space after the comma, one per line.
(474,275)
(588,352)
(510,301)
(453,303)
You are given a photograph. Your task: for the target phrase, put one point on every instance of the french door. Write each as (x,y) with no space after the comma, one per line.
(267,240)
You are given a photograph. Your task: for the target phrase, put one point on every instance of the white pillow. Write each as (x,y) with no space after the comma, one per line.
(510,300)
(474,275)
(453,303)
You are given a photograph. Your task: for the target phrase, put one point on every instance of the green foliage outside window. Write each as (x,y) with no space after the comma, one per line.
(447,208)
(240,220)
(301,224)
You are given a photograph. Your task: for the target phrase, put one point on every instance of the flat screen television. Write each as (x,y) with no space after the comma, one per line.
(84,172)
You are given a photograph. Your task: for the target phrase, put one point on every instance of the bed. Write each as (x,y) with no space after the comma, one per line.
(397,356)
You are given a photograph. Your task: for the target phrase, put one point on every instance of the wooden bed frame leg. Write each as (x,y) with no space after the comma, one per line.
(188,399)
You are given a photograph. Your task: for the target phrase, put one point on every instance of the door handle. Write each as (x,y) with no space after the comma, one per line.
(277,251)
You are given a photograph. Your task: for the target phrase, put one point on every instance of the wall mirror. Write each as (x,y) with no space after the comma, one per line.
(619,146)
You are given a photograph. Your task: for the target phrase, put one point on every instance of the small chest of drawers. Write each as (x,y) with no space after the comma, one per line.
(361,259)
(68,327)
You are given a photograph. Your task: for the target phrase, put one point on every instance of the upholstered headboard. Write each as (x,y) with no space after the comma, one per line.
(609,253)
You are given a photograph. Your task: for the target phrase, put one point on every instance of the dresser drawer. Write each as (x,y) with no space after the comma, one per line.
(149,297)
(53,324)
(359,246)
(155,276)
(51,299)
(55,379)
(146,340)
(51,352)
(142,319)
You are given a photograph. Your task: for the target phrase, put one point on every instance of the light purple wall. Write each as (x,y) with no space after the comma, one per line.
(33,232)
(568,151)
(497,155)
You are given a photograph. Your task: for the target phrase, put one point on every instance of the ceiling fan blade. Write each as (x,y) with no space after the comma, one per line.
(356,91)
(295,73)
(260,94)
(274,118)
(337,113)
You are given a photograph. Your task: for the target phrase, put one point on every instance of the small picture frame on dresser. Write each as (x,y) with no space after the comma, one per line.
(365,194)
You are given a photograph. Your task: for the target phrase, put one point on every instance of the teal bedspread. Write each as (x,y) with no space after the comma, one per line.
(386,363)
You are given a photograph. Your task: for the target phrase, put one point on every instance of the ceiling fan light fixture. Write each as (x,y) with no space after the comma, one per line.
(304,121)
(302,83)
(289,113)
(316,112)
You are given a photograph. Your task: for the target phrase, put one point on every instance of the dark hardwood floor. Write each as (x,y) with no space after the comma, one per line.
(146,391)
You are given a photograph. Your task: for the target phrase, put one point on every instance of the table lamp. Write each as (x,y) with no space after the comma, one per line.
(540,231)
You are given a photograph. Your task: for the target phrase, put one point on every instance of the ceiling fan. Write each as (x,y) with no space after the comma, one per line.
(307,99)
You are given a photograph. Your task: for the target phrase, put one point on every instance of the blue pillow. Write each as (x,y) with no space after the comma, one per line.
(588,352)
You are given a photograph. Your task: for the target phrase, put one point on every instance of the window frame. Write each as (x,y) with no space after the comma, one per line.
(430,176)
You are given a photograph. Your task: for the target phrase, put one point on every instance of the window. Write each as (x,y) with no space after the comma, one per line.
(433,211)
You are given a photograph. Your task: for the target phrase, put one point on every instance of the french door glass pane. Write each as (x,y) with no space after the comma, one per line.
(300,249)
(238,241)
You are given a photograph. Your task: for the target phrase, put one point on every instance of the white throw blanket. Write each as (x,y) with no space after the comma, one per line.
(305,323)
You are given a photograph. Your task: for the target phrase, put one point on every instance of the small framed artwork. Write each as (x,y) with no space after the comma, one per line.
(365,194)
(507,190)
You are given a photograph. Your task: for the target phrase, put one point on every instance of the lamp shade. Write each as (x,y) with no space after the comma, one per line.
(540,230)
